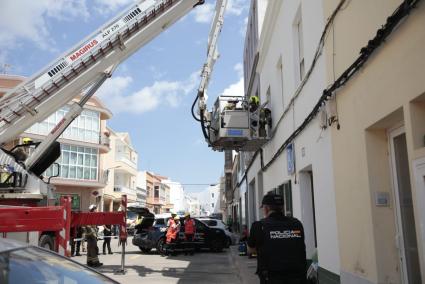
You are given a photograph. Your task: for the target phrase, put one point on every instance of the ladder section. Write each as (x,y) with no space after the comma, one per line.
(37,98)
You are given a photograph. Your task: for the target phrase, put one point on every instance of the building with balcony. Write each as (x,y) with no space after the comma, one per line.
(83,147)
(158,192)
(120,172)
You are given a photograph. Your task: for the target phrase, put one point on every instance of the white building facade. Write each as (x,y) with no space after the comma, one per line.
(209,200)
(302,172)
(176,196)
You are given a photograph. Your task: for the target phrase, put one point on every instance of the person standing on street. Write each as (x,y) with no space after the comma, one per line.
(172,234)
(75,245)
(107,233)
(144,221)
(189,232)
(279,243)
(171,220)
(92,249)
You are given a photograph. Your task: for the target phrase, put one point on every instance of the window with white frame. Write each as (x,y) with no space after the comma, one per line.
(86,127)
(75,162)
(299,46)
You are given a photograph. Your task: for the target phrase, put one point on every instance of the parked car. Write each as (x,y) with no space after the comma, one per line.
(23,263)
(133,209)
(219,224)
(154,237)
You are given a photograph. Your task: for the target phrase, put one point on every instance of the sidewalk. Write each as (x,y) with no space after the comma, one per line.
(245,266)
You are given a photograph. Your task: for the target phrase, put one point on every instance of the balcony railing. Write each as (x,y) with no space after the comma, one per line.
(104,140)
(155,200)
(124,190)
(125,159)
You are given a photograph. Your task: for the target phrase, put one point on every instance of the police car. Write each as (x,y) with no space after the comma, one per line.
(214,239)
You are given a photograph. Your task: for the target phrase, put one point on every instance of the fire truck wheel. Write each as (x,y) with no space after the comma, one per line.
(46,242)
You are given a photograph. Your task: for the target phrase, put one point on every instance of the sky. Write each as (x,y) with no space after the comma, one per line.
(150,94)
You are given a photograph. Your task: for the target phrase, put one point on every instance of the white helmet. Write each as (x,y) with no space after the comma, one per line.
(92,207)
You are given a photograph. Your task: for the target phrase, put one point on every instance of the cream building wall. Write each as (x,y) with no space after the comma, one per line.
(121,171)
(387,93)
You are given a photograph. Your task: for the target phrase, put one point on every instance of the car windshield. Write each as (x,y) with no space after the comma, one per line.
(160,221)
(211,223)
(33,265)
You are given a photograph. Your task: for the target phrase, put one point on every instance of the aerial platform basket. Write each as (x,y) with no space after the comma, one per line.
(235,127)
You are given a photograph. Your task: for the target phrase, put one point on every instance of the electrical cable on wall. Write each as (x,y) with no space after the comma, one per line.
(397,16)
(402,11)
(316,56)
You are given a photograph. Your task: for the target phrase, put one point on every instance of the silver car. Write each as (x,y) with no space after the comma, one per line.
(23,263)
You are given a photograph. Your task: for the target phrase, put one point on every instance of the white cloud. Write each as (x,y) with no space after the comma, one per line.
(204,13)
(239,69)
(156,73)
(236,7)
(244,26)
(105,7)
(26,20)
(236,89)
(170,93)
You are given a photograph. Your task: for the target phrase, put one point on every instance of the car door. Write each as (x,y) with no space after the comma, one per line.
(201,234)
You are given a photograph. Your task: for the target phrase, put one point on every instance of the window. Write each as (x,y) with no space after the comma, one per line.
(75,200)
(77,163)
(211,223)
(212,195)
(285,190)
(86,127)
(268,96)
(212,205)
(299,45)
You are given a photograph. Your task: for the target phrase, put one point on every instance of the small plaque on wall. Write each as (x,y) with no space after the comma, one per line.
(382,199)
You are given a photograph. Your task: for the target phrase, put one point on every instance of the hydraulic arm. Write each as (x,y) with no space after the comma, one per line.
(62,80)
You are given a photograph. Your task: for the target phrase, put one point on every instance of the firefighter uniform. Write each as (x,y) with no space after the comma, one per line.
(189,232)
(91,237)
(279,241)
(92,250)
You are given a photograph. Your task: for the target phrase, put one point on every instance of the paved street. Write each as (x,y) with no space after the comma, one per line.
(203,267)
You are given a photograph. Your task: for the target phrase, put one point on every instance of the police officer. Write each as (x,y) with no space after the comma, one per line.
(279,243)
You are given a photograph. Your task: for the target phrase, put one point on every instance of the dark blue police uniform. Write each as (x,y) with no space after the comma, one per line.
(279,240)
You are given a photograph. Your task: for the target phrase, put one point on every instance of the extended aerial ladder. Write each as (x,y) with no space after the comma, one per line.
(84,67)
(82,70)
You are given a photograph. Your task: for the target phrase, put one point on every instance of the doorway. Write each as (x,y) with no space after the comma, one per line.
(308,210)
(252,202)
(406,230)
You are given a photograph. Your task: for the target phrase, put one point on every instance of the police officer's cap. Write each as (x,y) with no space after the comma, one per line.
(272,199)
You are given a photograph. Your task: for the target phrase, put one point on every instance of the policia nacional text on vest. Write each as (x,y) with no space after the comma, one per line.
(279,242)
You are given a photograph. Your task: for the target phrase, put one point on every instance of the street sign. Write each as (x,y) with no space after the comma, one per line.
(290,158)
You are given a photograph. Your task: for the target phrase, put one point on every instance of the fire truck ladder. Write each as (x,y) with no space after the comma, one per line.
(60,219)
(58,83)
